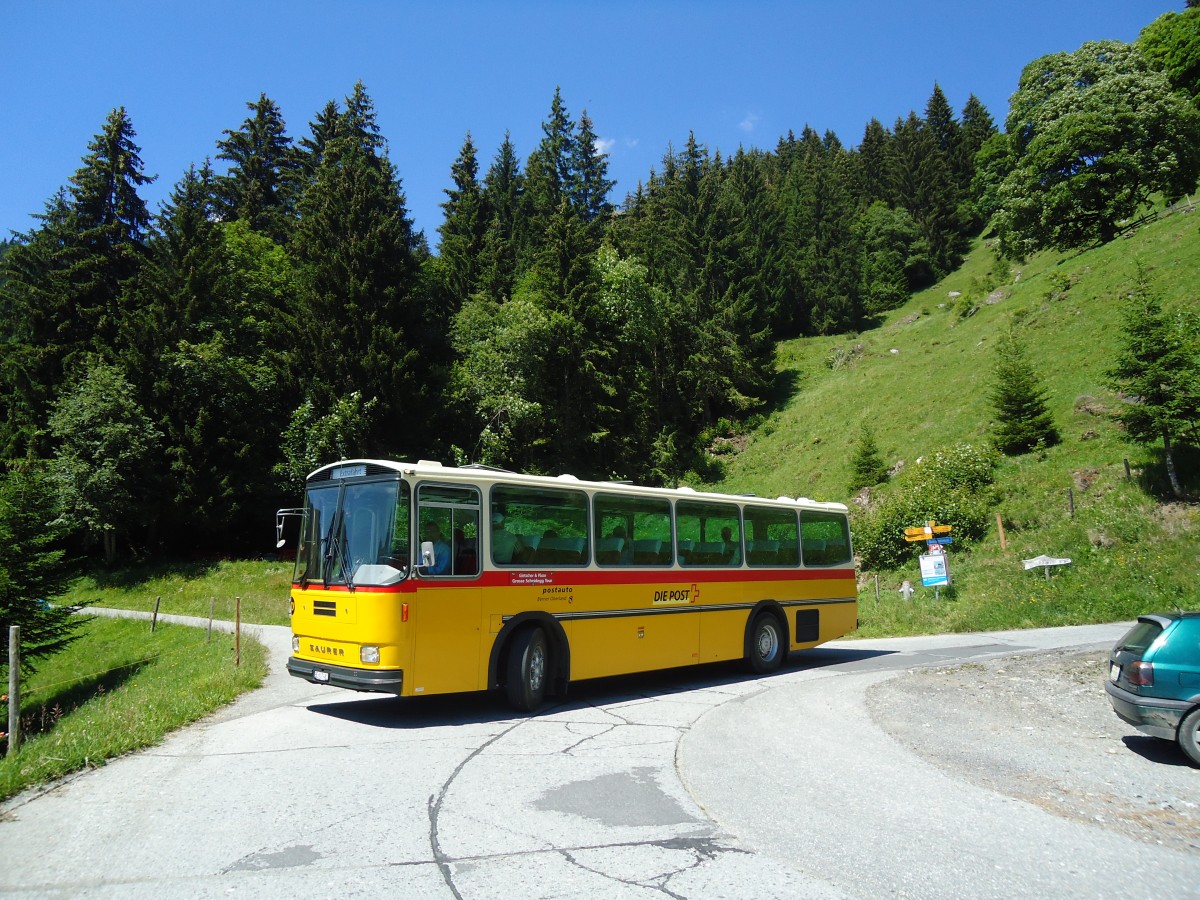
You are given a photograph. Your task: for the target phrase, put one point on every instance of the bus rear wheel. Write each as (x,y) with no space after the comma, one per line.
(765,650)
(528,666)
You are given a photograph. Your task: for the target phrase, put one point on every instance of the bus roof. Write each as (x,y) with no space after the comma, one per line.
(490,475)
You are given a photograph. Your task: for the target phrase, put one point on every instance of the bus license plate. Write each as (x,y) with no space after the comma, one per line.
(319,675)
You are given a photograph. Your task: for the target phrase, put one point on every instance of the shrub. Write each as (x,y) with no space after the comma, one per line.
(952,487)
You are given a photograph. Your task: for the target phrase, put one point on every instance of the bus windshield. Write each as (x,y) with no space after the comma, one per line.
(355,534)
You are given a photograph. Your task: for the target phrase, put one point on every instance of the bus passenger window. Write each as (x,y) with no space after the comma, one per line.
(824,539)
(548,526)
(709,534)
(772,536)
(632,531)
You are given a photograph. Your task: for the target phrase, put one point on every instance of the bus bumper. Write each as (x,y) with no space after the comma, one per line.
(383,681)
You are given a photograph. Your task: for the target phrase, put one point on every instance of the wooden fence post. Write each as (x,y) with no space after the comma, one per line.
(14,689)
(1000,530)
(212,603)
(154,618)
(237,640)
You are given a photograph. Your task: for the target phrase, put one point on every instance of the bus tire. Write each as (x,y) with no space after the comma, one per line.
(765,647)
(527,670)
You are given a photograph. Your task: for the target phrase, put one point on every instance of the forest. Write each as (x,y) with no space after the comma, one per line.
(173,375)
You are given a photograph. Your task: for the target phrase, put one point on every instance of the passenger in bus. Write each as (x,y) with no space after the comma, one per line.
(441,550)
(626,545)
(506,546)
(730,552)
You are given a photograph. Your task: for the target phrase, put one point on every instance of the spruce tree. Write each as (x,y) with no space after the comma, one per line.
(463,228)
(591,184)
(867,467)
(366,326)
(1022,419)
(33,566)
(873,159)
(503,198)
(1158,370)
(66,283)
(260,185)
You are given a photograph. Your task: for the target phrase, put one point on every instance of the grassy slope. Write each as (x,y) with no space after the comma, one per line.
(118,688)
(921,381)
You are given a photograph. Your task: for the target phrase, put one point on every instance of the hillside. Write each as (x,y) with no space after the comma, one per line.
(921,379)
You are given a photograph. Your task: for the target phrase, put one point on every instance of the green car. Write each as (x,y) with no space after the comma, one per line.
(1154,678)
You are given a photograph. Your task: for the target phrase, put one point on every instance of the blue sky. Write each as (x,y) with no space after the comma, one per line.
(648,73)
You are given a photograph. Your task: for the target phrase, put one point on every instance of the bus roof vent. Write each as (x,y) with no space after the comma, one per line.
(684,487)
(785,499)
(566,477)
(431,463)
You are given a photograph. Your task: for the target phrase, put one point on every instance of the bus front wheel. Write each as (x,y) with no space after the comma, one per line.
(765,650)
(528,666)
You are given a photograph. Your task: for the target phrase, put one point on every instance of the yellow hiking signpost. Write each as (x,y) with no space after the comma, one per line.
(927,532)
(935,568)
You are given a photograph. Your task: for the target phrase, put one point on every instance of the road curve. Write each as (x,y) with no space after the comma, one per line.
(703,783)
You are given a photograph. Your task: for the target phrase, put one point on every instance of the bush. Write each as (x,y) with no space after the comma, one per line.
(952,487)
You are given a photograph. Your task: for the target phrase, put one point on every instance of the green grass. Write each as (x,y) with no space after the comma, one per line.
(1133,551)
(193,589)
(121,687)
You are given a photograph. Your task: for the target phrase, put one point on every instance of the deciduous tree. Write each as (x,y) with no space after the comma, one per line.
(1094,134)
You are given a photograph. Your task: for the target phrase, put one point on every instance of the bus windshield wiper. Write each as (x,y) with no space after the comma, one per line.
(335,551)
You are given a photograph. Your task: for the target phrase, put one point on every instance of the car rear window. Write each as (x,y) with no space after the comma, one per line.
(1140,637)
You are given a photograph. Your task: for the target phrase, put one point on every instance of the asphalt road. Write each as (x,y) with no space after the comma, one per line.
(698,784)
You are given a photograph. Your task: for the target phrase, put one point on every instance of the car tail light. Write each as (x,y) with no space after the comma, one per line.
(1141,673)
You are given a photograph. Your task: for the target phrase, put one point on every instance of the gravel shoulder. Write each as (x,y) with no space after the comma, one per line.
(1039,727)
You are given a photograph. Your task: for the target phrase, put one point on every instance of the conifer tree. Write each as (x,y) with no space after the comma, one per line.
(366,325)
(874,164)
(260,185)
(1022,418)
(503,198)
(549,176)
(924,185)
(66,283)
(463,229)
(1158,370)
(33,566)
(867,467)
(591,184)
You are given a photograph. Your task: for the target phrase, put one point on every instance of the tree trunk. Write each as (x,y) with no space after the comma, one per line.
(110,546)
(1169,456)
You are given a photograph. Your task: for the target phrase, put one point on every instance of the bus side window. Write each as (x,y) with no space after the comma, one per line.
(772,536)
(632,531)
(824,539)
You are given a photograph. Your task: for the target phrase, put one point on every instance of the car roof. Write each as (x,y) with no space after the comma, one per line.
(1172,616)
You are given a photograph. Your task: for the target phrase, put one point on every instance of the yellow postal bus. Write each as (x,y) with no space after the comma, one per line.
(415,578)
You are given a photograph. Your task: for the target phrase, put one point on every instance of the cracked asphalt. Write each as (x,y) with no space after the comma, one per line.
(687,784)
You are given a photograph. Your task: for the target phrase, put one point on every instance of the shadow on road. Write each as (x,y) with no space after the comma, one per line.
(1156,750)
(480,707)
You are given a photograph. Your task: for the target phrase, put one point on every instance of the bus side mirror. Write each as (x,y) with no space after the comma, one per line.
(280,515)
(427,553)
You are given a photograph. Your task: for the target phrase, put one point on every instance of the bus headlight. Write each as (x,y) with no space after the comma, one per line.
(295,644)
(369,654)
